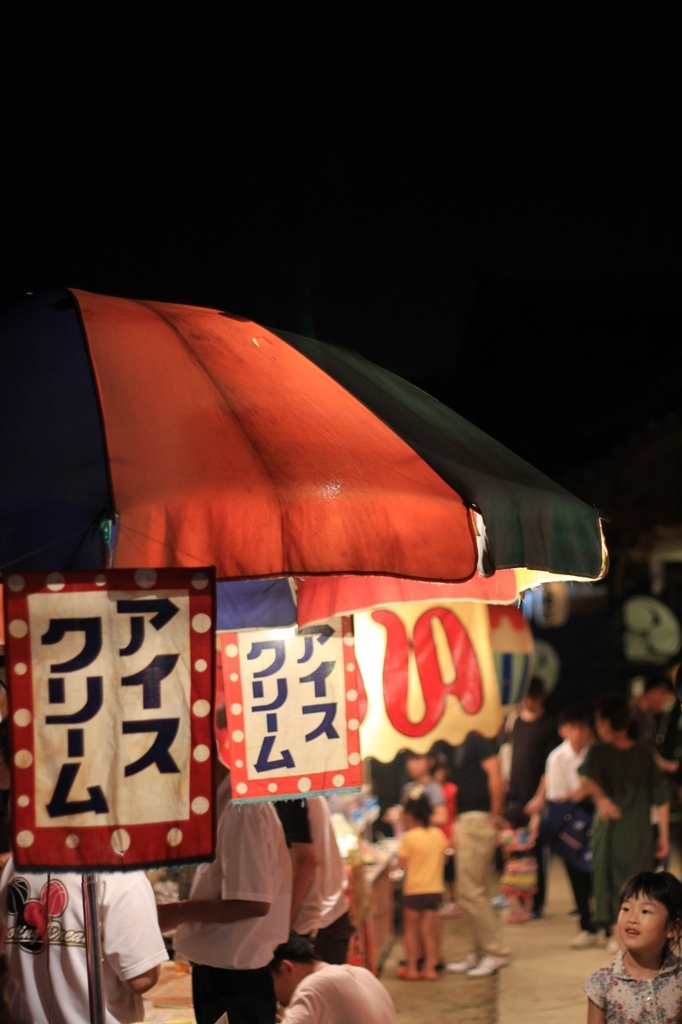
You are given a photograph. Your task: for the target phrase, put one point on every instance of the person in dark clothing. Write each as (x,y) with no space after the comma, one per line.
(533,737)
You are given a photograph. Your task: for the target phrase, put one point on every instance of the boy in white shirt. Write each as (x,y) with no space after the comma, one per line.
(563,790)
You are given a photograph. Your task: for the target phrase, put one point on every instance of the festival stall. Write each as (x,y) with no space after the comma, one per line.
(148,436)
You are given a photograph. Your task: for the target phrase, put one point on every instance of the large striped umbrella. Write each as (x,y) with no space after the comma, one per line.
(207,439)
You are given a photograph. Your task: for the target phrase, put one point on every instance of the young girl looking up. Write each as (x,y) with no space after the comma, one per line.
(644,981)
(422,855)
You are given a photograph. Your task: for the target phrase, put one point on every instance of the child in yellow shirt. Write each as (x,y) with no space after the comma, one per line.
(422,855)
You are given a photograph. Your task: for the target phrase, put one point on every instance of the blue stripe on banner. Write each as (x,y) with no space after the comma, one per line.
(507,664)
(292,796)
(53,463)
(247,604)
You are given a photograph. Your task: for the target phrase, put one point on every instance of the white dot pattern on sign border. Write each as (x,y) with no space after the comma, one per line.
(23,801)
(237,736)
(304,785)
(200,581)
(145,578)
(201,623)
(21,668)
(23,759)
(272,787)
(25,839)
(200,805)
(16,583)
(18,629)
(236,709)
(242,788)
(72,841)
(174,837)
(348,639)
(100,581)
(350,667)
(120,840)
(200,665)
(354,758)
(352,695)
(201,753)
(338,780)
(239,763)
(55,581)
(201,708)
(232,650)
(353,724)
(234,676)
(22,717)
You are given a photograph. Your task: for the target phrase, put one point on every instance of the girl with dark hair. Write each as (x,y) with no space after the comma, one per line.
(624,782)
(422,855)
(644,982)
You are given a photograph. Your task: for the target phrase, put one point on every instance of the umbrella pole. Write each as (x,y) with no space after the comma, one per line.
(93,949)
(93,938)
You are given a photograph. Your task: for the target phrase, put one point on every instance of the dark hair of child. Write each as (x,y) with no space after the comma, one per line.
(614,708)
(441,761)
(297,949)
(574,714)
(515,815)
(662,887)
(419,808)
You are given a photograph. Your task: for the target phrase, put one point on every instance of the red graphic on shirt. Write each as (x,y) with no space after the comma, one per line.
(34,924)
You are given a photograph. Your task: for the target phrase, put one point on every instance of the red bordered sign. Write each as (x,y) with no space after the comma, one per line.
(110,701)
(292,711)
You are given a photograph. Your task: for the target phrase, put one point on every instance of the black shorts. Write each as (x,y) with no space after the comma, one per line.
(423,901)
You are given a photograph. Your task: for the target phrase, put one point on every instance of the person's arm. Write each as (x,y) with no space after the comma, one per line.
(217,911)
(605,806)
(143,982)
(305,863)
(491,766)
(536,802)
(665,765)
(595,1015)
(439,815)
(663,842)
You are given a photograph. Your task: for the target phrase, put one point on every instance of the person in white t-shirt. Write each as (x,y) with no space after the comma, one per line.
(314,992)
(325,913)
(45,944)
(563,790)
(237,913)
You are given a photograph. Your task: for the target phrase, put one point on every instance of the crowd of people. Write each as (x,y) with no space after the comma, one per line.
(267,924)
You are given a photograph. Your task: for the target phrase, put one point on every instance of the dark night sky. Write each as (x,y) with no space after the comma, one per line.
(490,209)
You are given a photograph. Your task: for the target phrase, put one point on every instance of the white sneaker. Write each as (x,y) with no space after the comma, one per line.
(463,966)
(583,940)
(487,966)
(500,902)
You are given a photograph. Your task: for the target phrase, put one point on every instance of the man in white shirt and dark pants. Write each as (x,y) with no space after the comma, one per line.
(237,913)
(313,991)
(563,786)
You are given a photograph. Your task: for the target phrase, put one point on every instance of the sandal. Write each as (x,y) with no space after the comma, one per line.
(518,917)
(406,975)
(428,976)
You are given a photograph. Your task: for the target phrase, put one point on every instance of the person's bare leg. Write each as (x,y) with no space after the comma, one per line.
(430,928)
(411,939)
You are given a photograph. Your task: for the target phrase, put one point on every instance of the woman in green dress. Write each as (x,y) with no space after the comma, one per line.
(622,778)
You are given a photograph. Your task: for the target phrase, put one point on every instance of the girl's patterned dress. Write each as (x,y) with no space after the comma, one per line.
(520,874)
(624,999)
